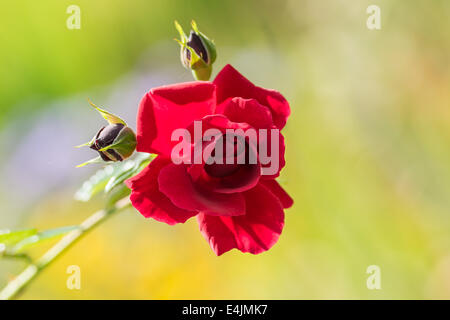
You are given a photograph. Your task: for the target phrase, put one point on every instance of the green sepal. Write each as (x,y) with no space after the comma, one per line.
(110,157)
(196,62)
(180,31)
(209,44)
(94,160)
(111,118)
(87,144)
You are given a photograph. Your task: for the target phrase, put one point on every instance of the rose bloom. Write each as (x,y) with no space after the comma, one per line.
(235,205)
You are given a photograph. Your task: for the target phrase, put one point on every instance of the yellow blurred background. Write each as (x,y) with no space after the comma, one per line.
(368,144)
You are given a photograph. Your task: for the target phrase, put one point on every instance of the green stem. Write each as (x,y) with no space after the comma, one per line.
(14,287)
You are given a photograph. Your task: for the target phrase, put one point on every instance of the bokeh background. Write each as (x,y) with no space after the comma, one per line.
(368,144)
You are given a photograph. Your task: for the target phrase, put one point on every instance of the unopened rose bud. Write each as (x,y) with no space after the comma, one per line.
(198,52)
(114,142)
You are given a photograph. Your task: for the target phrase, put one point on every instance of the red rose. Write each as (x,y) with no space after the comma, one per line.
(238,204)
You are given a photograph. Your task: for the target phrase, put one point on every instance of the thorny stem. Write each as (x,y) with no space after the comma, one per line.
(15,286)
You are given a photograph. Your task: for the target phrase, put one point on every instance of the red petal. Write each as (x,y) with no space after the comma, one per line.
(255,232)
(279,192)
(230,83)
(243,178)
(224,178)
(149,201)
(176,184)
(164,109)
(246,110)
(220,122)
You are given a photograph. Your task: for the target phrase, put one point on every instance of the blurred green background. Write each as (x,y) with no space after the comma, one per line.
(368,144)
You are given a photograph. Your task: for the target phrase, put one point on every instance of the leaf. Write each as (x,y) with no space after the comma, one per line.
(8,237)
(95,184)
(111,118)
(133,167)
(111,176)
(116,194)
(116,189)
(41,237)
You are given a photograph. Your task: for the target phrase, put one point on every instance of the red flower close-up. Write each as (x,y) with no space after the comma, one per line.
(238,204)
(294,137)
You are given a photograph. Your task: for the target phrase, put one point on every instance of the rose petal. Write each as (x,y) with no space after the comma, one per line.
(246,110)
(218,121)
(243,178)
(255,232)
(149,201)
(164,109)
(230,83)
(176,184)
(224,177)
(279,192)
(221,122)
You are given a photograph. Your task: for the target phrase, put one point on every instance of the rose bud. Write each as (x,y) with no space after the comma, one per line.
(198,52)
(114,142)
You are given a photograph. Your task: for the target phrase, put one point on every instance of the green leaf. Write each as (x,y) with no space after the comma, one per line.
(111,176)
(132,168)
(116,189)
(41,237)
(116,194)
(8,237)
(95,184)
